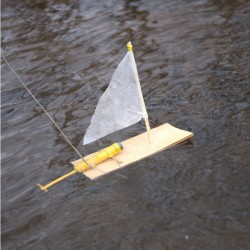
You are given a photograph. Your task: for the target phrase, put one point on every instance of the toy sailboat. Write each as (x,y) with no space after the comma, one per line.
(120,106)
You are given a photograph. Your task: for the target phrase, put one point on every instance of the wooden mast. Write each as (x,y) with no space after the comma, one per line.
(145,114)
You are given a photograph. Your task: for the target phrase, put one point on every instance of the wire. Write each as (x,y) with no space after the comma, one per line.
(65,137)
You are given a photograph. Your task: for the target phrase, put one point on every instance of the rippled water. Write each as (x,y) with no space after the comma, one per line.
(193,62)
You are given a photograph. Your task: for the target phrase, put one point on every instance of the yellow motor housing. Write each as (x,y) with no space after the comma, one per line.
(99,157)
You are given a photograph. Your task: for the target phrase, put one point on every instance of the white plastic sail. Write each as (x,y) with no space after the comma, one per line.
(121,105)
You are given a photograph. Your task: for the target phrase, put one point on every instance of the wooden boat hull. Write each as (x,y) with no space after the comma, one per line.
(138,148)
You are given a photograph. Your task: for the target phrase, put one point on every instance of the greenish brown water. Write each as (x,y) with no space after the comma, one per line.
(193,62)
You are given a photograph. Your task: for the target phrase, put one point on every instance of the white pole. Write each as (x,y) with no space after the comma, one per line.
(145,114)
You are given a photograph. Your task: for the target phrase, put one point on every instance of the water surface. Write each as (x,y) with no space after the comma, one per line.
(193,62)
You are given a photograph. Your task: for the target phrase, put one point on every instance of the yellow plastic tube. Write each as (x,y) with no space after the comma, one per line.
(99,157)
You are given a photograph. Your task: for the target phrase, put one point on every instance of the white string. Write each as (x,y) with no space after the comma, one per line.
(65,137)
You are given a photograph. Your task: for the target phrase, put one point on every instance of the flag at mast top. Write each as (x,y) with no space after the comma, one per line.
(122,103)
(130,46)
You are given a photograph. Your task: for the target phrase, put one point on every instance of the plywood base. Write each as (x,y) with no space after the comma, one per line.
(138,148)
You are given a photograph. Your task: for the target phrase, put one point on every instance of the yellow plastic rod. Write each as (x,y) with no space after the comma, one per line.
(45,188)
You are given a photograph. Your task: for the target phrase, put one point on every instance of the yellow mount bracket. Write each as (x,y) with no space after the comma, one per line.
(92,161)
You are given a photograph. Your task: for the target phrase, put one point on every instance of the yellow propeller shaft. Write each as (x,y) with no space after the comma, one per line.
(45,188)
